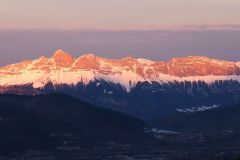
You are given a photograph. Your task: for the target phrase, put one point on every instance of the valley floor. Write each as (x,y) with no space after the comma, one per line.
(126,152)
(169,146)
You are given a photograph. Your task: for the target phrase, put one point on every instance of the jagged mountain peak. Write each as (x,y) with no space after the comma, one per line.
(62,59)
(86,61)
(88,55)
(59,52)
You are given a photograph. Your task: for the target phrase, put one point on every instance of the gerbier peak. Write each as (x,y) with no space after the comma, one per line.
(60,53)
(62,59)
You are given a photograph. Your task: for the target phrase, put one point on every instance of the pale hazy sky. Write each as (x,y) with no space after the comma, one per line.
(32,28)
(78,14)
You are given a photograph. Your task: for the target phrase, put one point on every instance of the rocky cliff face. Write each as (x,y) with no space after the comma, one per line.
(201,66)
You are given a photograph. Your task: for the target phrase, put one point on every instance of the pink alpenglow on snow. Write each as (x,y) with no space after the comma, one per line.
(62,68)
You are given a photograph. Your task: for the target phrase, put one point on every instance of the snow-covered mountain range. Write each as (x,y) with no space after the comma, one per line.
(139,87)
(62,68)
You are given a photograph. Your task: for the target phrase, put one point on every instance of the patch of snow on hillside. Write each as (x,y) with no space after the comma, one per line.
(198,109)
(159,134)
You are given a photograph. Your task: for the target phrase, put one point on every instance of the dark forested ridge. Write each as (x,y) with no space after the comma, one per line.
(50,120)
